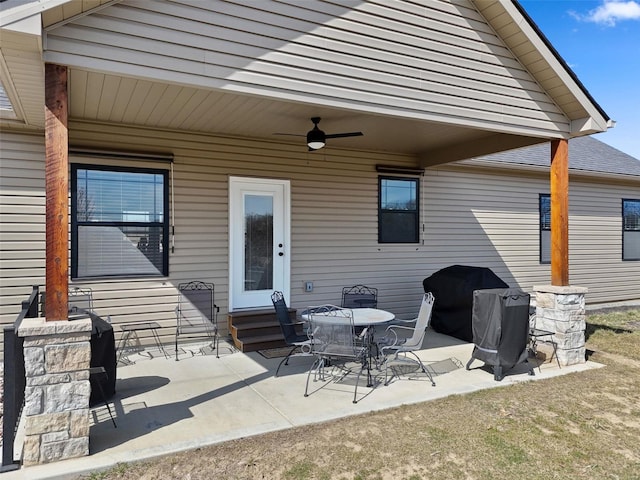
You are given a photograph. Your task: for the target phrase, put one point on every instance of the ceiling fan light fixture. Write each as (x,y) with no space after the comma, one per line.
(315,138)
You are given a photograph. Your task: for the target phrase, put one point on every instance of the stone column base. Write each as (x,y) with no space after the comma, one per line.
(57,357)
(562,310)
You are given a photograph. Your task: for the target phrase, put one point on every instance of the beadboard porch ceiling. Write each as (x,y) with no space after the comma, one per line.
(118,100)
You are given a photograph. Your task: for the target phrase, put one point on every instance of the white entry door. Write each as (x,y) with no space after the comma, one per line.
(259,216)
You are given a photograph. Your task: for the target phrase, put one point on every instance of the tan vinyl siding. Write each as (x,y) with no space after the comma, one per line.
(334,221)
(483,218)
(22,220)
(595,241)
(499,213)
(473,216)
(441,62)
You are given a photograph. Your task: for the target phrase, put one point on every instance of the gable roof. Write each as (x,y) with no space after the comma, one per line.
(586,154)
(441,81)
(559,58)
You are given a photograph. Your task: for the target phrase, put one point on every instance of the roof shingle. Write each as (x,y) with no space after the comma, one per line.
(585,154)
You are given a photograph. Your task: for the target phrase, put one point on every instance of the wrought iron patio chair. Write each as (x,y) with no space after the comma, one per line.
(80,299)
(336,344)
(401,340)
(359,296)
(197,314)
(539,335)
(300,343)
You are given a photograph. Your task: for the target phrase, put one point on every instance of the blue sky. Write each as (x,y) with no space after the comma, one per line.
(600,41)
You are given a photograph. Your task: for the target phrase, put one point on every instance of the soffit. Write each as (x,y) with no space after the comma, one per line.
(21,66)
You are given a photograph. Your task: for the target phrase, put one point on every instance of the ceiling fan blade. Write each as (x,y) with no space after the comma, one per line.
(342,135)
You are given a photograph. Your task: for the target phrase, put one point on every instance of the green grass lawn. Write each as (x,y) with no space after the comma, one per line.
(616,332)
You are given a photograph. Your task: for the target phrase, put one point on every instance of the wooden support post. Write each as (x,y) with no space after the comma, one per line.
(57,193)
(560,213)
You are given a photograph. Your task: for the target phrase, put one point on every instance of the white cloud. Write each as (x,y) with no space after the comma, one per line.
(613,11)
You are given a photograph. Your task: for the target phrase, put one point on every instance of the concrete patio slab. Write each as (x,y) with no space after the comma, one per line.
(162,406)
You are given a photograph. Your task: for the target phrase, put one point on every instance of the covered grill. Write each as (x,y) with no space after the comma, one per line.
(500,324)
(453,289)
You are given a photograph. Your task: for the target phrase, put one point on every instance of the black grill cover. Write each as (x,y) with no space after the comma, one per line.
(453,289)
(500,326)
(103,354)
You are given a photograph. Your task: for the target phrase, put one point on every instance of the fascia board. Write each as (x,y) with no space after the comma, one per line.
(11,15)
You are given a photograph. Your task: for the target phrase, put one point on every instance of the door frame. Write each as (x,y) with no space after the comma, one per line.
(236,248)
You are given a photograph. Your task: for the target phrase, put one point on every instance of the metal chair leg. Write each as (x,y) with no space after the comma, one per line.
(95,371)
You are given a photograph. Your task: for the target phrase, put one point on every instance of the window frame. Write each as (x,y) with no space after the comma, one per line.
(624,229)
(75,224)
(542,229)
(416,213)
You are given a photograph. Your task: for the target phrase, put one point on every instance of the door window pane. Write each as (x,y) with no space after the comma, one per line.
(258,248)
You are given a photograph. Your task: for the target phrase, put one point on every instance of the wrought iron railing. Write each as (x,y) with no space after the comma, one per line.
(14,380)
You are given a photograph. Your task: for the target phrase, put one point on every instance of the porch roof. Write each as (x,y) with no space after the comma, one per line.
(431,138)
(587,155)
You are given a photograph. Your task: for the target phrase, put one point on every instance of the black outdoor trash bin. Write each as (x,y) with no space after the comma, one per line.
(500,324)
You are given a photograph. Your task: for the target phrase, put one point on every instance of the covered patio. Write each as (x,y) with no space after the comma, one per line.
(205,102)
(162,406)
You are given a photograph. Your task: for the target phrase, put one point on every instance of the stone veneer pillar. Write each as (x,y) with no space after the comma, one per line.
(562,310)
(57,357)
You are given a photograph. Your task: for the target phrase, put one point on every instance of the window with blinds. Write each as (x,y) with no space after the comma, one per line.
(119,222)
(630,229)
(398,219)
(545,228)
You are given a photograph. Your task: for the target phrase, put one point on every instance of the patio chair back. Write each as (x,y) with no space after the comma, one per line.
(335,343)
(80,299)
(299,342)
(394,346)
(422,322)
(282,314)
(196,313)
(359,296)
(333,332)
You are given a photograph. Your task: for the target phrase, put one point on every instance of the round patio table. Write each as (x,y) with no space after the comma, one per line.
(362,317)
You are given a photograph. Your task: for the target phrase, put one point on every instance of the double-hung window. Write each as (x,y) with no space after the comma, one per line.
(119,222)
(545,228)
(630,229)
(398,219)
